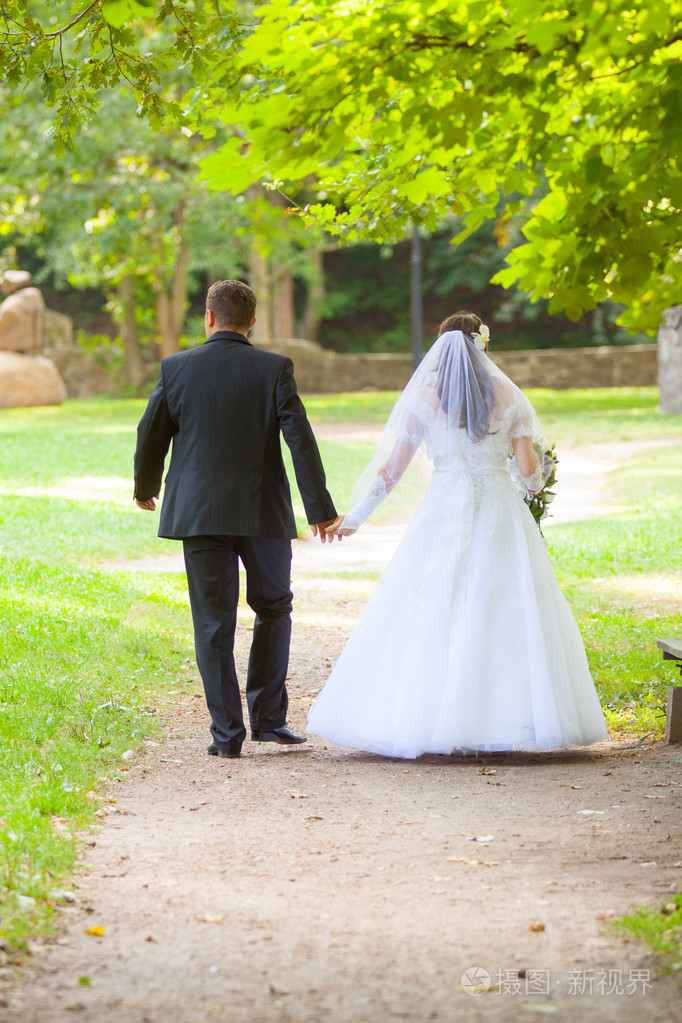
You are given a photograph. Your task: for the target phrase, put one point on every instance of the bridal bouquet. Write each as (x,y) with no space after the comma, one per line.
(538,503)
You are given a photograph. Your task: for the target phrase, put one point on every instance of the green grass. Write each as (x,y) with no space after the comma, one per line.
(370,407)
(66,482)
(589,416)
(616,572)
(575,416)
(88,656)
(661,928)
(86,660)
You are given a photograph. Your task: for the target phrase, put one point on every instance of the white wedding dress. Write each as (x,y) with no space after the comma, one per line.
(466,643)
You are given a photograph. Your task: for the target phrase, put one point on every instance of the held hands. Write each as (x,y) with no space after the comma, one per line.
(321,529)
(333,528)
(336,528)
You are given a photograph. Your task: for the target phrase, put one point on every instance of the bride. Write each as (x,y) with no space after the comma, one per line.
(467,642)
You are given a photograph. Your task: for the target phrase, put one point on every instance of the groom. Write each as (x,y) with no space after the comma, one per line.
(223,405)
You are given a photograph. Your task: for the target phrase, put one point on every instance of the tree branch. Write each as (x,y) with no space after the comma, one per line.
(118,66)
(61,31)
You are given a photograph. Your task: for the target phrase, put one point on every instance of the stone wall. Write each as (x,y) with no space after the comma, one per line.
(627,366)
(319,371)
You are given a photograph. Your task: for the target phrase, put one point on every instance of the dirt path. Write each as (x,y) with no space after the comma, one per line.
(315,884)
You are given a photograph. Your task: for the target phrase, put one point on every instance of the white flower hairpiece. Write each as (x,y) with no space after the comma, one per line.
(482,338)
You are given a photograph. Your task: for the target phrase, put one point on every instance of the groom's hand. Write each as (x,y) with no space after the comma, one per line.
(321,529)
(338,530)
(149,505)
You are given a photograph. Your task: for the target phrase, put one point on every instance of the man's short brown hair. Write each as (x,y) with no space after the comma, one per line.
(468,323)
(232,303)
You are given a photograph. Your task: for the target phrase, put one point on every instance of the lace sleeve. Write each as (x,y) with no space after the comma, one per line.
(388,476)
(524,419)
(418,415)
(376,493)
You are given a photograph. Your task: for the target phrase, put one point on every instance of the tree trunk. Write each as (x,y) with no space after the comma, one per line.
(670,360)
(133,363)
(171,307)
(282,289)
(316,292)
(259,274)
(283,325)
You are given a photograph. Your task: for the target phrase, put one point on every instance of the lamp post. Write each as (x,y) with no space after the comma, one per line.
(416,313)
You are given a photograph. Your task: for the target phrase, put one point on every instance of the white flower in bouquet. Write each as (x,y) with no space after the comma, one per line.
(538,503)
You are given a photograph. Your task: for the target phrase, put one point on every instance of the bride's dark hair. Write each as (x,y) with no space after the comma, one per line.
(476,395)
(468,323)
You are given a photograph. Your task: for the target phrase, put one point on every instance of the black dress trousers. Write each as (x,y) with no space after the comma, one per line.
(212,565)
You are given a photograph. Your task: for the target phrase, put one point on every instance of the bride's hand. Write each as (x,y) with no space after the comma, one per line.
(338,530)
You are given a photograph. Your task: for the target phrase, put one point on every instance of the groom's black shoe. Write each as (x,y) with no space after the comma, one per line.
(281,735)
(233,749)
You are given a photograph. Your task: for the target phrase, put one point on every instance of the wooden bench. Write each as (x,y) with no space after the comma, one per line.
(672,651)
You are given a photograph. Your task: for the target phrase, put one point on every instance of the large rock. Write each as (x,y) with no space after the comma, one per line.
(29,380)
(81,373)
(13,280)
(58,330)
(22,321)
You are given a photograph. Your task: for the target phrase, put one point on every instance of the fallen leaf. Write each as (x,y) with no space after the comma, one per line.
(536,926)
(488,770)
(96,932)
(314,817)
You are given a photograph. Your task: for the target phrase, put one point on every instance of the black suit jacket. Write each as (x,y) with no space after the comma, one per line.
(223,405)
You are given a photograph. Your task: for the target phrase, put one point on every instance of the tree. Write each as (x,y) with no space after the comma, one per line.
(405,111)
(77,50)
(122,210)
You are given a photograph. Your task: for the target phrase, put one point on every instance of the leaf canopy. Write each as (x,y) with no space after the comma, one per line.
(405,112)
(408,111)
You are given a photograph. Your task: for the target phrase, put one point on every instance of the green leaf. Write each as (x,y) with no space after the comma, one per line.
(118,12)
